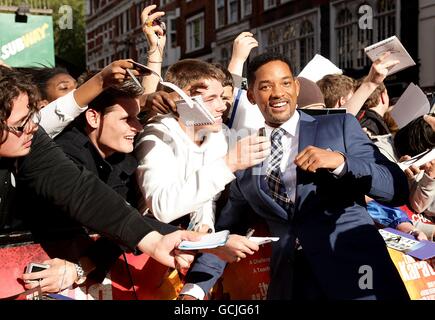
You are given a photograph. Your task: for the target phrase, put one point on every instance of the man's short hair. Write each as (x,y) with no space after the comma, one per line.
(228,81)
(414,138)
(335,86)
(189,71)
(261,60)
(12,84)
(374,98)
(108,98)
(126,89)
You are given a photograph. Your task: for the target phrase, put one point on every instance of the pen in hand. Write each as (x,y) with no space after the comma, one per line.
(250,233)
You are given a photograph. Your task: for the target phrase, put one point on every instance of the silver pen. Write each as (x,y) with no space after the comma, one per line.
(250,233)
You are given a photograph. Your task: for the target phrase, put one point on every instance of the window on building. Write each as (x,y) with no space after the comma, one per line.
(306,42)
(350,39)
(195,32)
(386,18)
(224,60)
(246,8)
(344,29)
(296,38)
(173,32)
(268,4)
(233,11)
(220,13)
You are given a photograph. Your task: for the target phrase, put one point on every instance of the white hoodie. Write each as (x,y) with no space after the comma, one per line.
(177,177)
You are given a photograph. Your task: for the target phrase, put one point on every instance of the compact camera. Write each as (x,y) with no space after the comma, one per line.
(161,24)
(35,267)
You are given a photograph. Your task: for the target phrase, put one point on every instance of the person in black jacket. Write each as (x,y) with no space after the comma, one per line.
(34,163)
(101,140)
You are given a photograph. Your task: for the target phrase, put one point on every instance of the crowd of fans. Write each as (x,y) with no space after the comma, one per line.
(103,154)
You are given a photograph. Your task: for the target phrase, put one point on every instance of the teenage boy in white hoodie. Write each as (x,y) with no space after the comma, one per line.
(183,169)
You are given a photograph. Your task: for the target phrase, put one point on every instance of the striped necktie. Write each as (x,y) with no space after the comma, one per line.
(277,188)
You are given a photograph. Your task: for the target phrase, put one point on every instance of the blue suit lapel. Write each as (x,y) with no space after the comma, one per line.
(307,137)
(307,131)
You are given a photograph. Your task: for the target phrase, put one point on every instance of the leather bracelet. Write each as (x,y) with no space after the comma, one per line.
(150,61)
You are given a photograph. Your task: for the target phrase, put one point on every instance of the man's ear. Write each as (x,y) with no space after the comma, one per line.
(93,118)
(383,96)
(250,96)
(298,87)
(341,101)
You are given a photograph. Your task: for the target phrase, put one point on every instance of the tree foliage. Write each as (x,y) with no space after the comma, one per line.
(69,43)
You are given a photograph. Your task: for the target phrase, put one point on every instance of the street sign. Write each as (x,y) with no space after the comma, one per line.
(27,44)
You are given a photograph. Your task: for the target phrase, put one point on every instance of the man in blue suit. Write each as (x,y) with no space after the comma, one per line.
(311,192)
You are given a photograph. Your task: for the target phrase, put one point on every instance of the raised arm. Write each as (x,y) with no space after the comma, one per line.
(377,74)
(242,47)
(155,34)
(59,113)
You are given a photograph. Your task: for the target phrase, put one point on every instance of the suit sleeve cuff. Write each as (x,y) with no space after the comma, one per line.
(193,290)
(341,169)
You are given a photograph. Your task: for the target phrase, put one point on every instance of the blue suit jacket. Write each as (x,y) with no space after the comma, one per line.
(329,217)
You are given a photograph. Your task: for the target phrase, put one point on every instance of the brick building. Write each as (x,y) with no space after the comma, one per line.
(299,28)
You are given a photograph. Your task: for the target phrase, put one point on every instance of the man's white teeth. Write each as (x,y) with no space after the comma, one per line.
(278,105)
(130,138)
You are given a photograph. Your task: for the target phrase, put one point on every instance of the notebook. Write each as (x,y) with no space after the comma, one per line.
(418,160)
(208,241)
(398,52)
(192,110)
(412,104)
(407,244)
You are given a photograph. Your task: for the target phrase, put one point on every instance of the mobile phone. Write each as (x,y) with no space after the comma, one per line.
(262,132)
(144,70)
(133,77)
(35,267)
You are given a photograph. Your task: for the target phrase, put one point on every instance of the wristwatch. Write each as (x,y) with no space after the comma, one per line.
(81,277)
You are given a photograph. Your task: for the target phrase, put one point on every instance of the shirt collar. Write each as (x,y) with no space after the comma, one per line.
(290,126)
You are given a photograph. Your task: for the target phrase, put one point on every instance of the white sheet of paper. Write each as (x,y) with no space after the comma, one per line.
(262,240)
(208,241)
(418,160)
(398,52)
(412,104)
(319,67)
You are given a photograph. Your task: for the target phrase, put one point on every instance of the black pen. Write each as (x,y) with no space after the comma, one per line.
(250,233)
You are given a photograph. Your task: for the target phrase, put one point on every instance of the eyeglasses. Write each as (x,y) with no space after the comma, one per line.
(34,117)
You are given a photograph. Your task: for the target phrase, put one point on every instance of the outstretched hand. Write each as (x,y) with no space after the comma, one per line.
(380,68)
(161,102)
(242,47)
(155,34)
(164,248)
(116,73)
(236,248)
(60,275)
